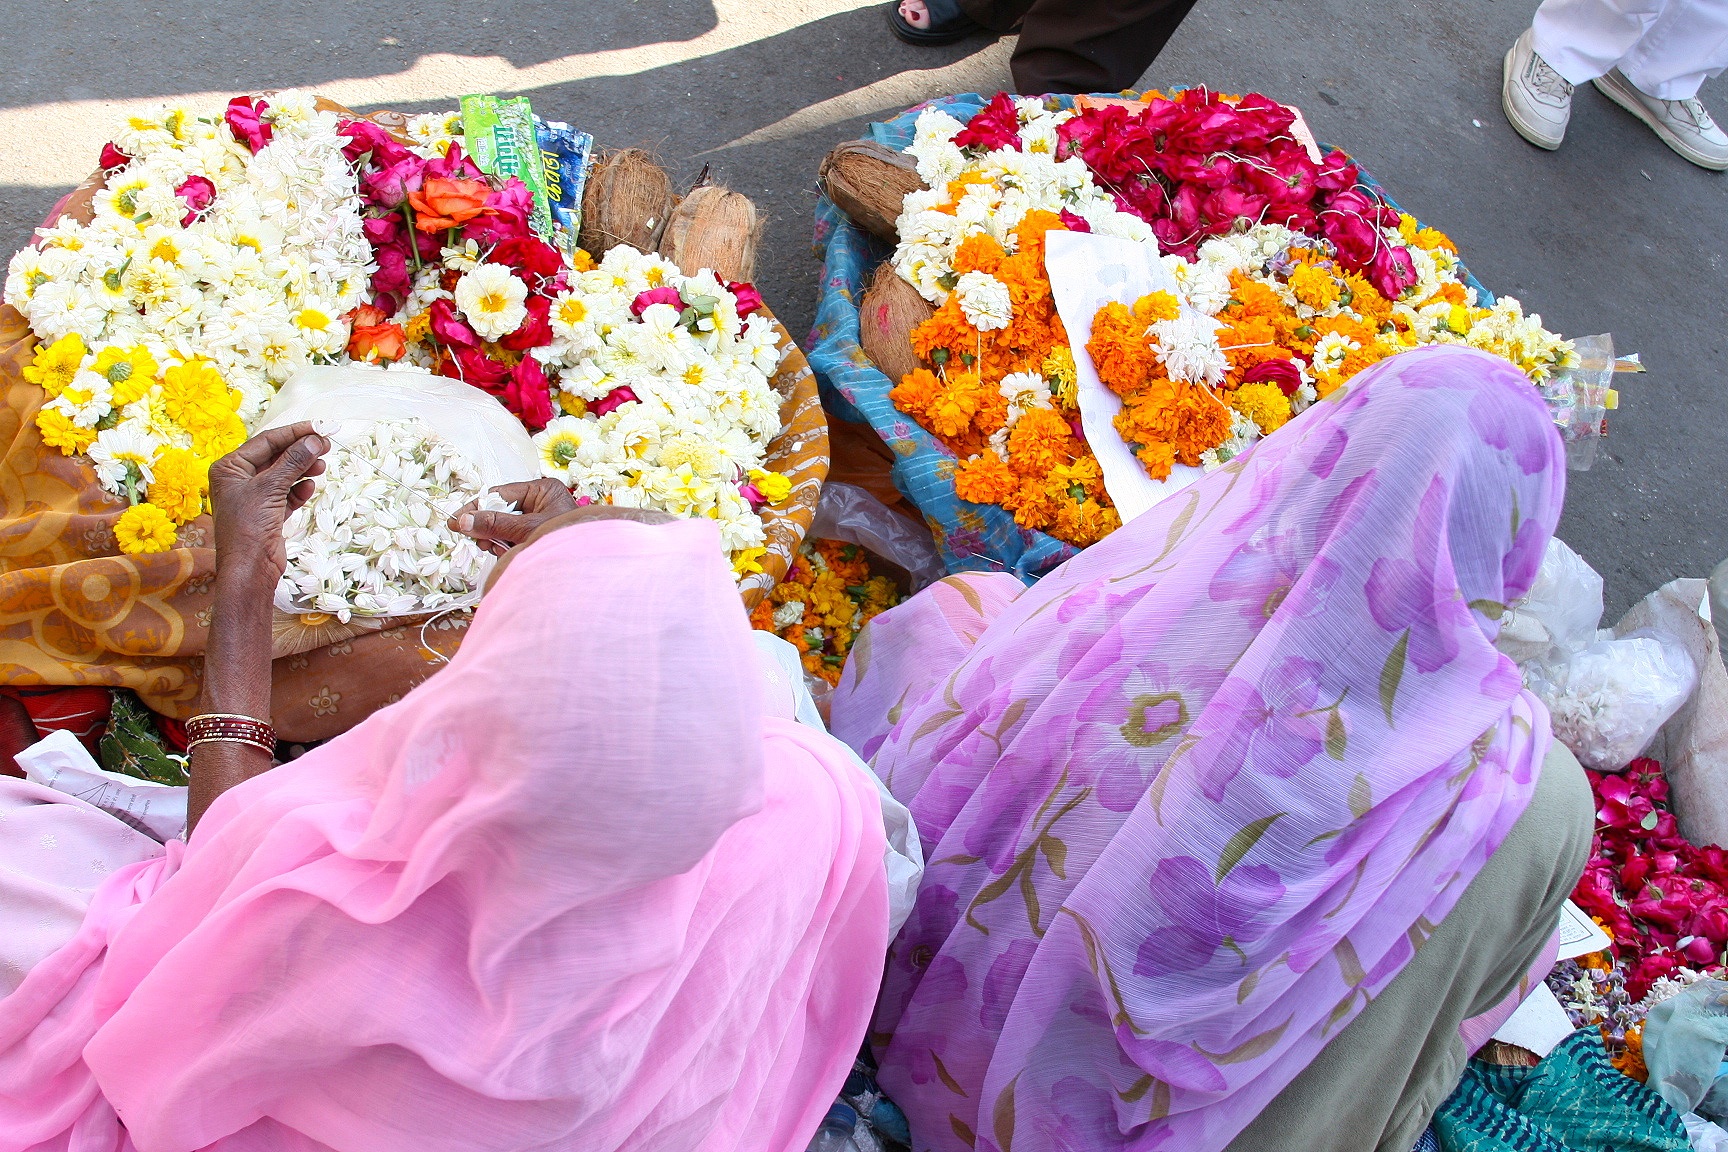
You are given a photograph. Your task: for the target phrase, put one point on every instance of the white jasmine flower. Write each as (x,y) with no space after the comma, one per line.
(1188,346)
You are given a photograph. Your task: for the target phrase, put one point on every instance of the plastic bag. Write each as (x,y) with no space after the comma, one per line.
(1693,744)
(1561,613)
(1578,398)
(1705,1136)
(849,513)
(474,423)
(1610,698)
(1685,1037)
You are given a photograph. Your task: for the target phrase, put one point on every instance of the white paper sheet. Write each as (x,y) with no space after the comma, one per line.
(1087,271)
(59,762)
(1579,935)
(1538,1024)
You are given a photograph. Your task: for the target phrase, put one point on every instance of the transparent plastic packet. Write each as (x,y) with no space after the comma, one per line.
(1578,398)
(849,513)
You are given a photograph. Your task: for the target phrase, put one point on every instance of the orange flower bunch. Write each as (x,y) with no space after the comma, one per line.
(828,595)
(1003,400)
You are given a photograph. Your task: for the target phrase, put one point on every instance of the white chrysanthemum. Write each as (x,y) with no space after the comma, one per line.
(1243,433)
(492,299)
(1188,346)
(122,450)
(1330,351)
(985,301)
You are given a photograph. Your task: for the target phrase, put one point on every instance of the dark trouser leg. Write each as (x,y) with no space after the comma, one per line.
(1081,45)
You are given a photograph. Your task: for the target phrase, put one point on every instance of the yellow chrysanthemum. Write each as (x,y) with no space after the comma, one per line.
(773,486)
(182,478)
(196,399)
(1314,287)
(58,431)
(748,561)
(130,372)
(419,327)
(1058,369)
(1264,403)
(581,261)
(144,528)
(56,364)
(571,404)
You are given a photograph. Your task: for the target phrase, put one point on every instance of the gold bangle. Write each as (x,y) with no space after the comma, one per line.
(267,749)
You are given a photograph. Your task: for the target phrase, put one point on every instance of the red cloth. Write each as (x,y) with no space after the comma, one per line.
(81,711)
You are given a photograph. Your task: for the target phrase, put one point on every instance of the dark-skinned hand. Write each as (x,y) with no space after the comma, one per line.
(255,487)
(497,532)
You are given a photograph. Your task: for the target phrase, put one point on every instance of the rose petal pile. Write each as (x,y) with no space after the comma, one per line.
(374,540)
(221,257)
(1664,900)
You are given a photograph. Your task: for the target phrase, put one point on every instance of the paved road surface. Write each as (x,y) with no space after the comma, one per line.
(1612,233)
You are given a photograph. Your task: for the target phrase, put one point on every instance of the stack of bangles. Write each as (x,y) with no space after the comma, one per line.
(228,727)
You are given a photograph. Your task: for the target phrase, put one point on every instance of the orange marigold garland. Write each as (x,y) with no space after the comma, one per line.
(828,595)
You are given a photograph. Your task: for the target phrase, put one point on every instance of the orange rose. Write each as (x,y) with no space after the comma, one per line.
(376,341)
(445,203)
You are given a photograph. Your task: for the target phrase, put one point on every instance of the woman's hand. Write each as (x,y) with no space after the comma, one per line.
(252,491)
(498,532)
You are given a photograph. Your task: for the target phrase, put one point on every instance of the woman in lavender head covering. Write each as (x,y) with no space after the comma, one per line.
(1242,833)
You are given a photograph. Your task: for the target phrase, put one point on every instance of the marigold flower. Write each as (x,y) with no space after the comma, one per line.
(985,480)
(1156,306)
(56,364)
(978,253)
(1040,441)
(144,528)
(1119,349)
(181,480)
(1264,403)
(1314,287)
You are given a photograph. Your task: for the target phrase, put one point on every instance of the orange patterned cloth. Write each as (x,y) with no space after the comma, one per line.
(75,611)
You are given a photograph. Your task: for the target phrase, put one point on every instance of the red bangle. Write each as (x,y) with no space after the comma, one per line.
(230,727)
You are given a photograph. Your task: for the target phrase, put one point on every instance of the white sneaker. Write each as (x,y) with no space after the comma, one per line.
(1683,125)
(1536,99)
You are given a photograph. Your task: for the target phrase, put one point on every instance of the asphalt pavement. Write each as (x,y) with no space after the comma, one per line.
(1612,233)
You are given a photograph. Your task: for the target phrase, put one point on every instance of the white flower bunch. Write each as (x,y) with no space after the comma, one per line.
(1014,182)
(199,249)
(374,539)
(685,408)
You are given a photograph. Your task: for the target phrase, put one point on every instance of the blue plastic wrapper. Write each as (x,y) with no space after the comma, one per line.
(971,537)
(568,155)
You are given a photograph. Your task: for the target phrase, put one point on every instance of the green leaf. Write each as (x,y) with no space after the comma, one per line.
(1002,1117)
(1247,1050)
(1243,842)
(1393,672)
(1056,854)
(1361,796)
(1337,740)
(1651,819)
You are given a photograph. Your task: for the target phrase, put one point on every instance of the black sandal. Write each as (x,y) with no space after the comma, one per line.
(947,24)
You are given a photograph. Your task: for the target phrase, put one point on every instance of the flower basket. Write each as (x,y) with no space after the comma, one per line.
(76,611)
(971,537)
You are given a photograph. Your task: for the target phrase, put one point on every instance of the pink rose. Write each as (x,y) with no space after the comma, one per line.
(450,329)
(365,136)
(748,298)
(245,118)
(1392,271)
(612,399)
(529,257)
(387,187)
(753,494)
(113,158)
(1074,223)
(528,395)
(198,192)
(1283,373)
(453,165)
(653,296)
(504,216)
(392,283)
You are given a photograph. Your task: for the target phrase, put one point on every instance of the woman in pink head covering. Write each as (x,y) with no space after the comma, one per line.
(1243,835)
(579,890)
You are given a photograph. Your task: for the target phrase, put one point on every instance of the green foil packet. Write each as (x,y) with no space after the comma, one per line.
(499,134)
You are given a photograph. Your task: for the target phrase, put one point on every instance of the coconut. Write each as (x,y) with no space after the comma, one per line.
(713,228)
(627,201)
(869,182)
(891,308)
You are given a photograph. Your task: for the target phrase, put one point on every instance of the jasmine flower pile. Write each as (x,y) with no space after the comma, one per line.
(374,539)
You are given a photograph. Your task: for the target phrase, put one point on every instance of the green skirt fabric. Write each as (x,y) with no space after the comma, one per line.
(1573,1101)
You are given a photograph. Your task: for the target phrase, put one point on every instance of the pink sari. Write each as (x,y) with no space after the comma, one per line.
(576,891)
(1195,798)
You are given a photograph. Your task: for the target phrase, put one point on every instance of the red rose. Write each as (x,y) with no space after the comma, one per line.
(748,299)
(612,399)
(532,259)
(1283,373)
(535,331)
(528,395)
(449,329)
(112,158)
(996,125)
(473,366)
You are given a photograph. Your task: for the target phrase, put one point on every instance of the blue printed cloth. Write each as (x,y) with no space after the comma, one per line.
(971,537)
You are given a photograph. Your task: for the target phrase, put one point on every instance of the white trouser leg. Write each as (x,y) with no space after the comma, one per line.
(1666,48)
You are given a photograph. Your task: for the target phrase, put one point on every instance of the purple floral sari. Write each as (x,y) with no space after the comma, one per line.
(1195,798)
